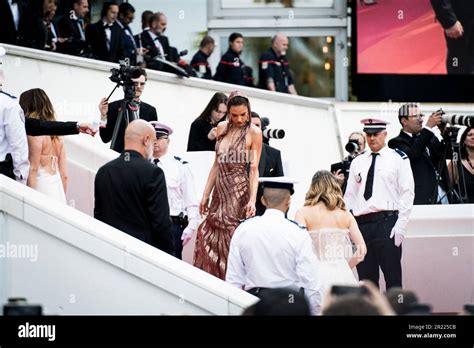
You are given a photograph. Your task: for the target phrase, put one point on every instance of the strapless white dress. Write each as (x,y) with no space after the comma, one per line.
(333,248)
(51,184)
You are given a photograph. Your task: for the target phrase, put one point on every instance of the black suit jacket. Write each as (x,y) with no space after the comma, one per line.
(270,165)
(96,38)
(449,11)
(8,32)
(198,140)
(38,127)
(424,166)
(68,29)
(130,195)
(144,39)
(147,113)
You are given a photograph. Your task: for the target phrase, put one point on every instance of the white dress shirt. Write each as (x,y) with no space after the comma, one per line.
(108,34)
(182,195)
(161,51)
(13,136)
(15,13)
(393,186)
(270,251)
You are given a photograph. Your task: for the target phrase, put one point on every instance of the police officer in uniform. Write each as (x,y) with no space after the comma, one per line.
(13,142)
(182,198)
(273,67)
(380,194)
(271,251)
(231,68)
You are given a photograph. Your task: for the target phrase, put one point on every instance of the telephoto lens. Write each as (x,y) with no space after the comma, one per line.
(273,133)
(460,120)
(352,146)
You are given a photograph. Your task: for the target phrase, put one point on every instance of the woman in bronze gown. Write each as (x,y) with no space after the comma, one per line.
(233,181)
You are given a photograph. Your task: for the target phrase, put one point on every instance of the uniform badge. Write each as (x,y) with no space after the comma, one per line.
(265,65)
(358,178)
(236,62)
(202,69)
(277,63)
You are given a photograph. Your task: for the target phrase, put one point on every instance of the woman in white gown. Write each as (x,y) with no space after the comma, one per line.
(333,230)
(47,154)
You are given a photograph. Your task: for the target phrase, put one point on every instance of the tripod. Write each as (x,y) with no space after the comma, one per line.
(457,190)
(127,112)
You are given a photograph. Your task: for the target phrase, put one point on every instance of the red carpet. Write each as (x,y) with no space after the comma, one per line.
(400,37)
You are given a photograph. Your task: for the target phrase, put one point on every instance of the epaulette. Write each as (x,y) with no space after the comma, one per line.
(180,159)
(247,219)
(8,95)
(401,153)
(297,224)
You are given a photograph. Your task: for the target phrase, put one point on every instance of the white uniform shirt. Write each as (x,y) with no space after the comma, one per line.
(270,251)
(13,136)
(393,186)
(180,187)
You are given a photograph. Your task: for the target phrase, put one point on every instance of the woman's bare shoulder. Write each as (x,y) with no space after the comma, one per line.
(254,130)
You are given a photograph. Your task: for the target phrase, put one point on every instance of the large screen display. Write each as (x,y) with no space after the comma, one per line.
(413,36)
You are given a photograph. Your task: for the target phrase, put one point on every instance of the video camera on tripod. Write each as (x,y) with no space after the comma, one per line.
(128,111)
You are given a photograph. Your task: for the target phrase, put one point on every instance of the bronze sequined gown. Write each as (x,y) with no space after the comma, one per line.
(229,198)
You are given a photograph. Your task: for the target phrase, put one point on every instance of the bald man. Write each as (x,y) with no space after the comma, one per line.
(273,67)
(130,192)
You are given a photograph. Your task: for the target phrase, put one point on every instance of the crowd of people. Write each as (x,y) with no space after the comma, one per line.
(37,24)
(253,249)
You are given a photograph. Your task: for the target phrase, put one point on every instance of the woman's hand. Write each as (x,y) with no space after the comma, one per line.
(103,108)
(212,134)
(204,206)
(250,209)
(339,176)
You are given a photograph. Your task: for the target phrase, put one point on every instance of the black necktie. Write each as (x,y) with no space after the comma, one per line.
(156,161)
(370,178)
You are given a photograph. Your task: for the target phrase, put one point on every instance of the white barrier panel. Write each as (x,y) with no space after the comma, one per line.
(72,264)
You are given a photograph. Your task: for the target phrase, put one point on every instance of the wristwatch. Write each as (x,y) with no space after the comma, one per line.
(78,127)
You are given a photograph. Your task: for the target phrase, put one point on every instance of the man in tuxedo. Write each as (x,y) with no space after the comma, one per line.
(153,41)
(130,192)
(105,37)
(109,114)
(270,165)
(125,18)
(71,28)
(426,153)
(12,20)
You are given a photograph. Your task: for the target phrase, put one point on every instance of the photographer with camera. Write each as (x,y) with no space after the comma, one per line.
(109,113)
(426,153)
(182,197)
(270,164)
(355,146)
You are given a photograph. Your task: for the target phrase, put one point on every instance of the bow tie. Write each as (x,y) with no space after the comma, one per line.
(156,161)
(108,26)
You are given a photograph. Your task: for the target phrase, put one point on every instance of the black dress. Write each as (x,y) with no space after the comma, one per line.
(198,140)
(469,178)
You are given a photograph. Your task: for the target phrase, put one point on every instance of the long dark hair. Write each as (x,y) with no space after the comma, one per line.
(216,100)
(464,154)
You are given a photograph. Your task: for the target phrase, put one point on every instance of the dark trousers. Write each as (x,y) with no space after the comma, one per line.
(178,243)
(460,57)
(381,249)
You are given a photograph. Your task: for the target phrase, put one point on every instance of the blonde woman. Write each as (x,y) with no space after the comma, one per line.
(332,229)
(47,154)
